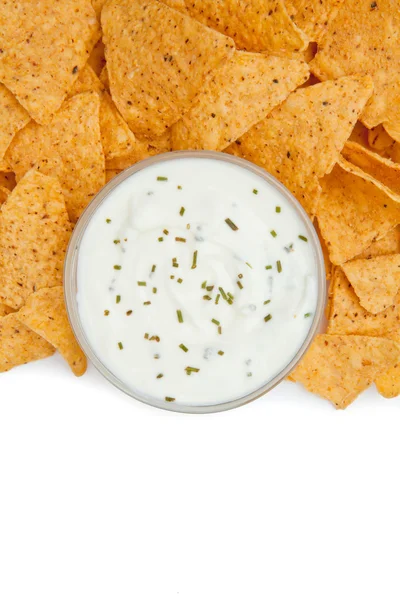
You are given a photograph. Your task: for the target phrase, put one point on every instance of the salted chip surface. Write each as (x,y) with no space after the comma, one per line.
(5,310)
(340,367)
(45,313)
(97,59)
(157,61)
(389,244)
(237,96)
(354,210)
(364,38)
(44,46)
(19,344)
(257,25)
(376,281)
(13,117)
(381,169)
(300,140)
(4,193)
(98,5)
(388,384)
(143,149)
(7,180)
(34,234)
(312,16)
(347,316)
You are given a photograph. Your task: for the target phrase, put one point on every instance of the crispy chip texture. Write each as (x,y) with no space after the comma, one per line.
(354,210)
(340,367)
(157,61)
(301,139)
(44,46)
(5,310)
(312,16)
(34,233)
(240,93)
(97,60)
(347,316)
(257,25)
(381,169)
(98,5)
(389,244)
(376,281)
(45,313)
(388,384)
(19,345)
(4,193)
(13,117)
(364,38)
(7,180)
(143,149)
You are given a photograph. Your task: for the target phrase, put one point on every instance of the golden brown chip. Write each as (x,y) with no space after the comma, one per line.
(104,78)
(300,140)
(97,60)
(389,244)
(98,5)
(256,25)
(340,367)
(354,210)
(238,95)
(111,173)
(392,122)
(348,317)
(359,134)
(376,281)
(364,38)
(19,345)
(388,384)
(45,313)
(379,139)
(44,47)
(13,117)
(4,193)
(34,234)
(5,310)
(327,260)
(143,149)
(154,75)
(4,166)
(381,169)
(312,16)
(7,180)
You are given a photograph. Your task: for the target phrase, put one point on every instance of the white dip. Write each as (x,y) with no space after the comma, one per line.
(178,303)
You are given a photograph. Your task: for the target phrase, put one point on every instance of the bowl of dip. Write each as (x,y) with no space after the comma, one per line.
(194,281)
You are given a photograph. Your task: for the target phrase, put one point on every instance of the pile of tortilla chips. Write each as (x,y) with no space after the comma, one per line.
(308,90)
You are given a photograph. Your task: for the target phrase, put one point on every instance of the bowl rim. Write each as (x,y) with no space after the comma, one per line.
(71,267)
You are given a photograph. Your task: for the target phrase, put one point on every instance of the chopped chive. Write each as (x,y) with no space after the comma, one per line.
(188,226)
(162,178)
(106,313)
(165,232)
(153,268)
(142,283)
(267,302)
(117,267)
(223,293)
(172,276)
(154,338)
(179,239)
(156,356)
(203,285)
(160,239)
(303,237)
(279,266)
(179,315)
(220,330)
(267,318)
(108,220)
(209,288)
(249,374)
(146,336)
(179,187)
(231,296)
(230,301)
(191,370)
(207,297)
(169,399)
(307,315)
(194,263)
(231,224)
(240,285)
(183,347)
(118,299)
(218,296)
(255,191)
(273,233)
(146,303)
(240,276)
(277,209)
(117,241)
(129,312)
(182,211)
(120,346)
(154,290)
(180,280)
(221,352)
(215,322)
(268,267)
(160,375)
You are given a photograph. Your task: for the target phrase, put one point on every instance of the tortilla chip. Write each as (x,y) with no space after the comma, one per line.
(379,139)
(143,149)
(45,313)
(4,193)
(327,260)
(104,77)
(389,244)
(5,310)
(44,47)
(34,234)
(19,345)
(348,317)
(98,5)
(13,117)
(395,153)
(312,16)
(97,60)
(392,122)
(255,25)
(300,140)
(364,38)
(388,384)
(154,76)
(240,93)
(111,173)
(359,134)
(7,180)
(4,166)
(381,169)
(354,210)
(340,367)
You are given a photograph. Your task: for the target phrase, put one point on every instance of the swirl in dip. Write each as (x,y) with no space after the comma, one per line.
(197,283)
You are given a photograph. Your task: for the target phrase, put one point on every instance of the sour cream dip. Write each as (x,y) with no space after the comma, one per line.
(197,281)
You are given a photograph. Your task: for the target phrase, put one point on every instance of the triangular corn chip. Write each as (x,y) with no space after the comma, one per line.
(312,16)
(389,244)
(154,77)
(388,384)
(45,313)
(340,367)
(5,310)
(13,117)
(4,193)
(34,234)
(240,93)
(19,345)
(381,169)
(7,180)
(97,59)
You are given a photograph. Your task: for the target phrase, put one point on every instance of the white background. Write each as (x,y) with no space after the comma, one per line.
(102,497)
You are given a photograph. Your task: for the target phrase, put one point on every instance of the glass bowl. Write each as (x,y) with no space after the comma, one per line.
(71,267)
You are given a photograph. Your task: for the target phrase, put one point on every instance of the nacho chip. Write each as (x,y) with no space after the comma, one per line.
(155,76)
(143,149)
(98,5)
(388,384)
(381,169)
(340,367)
(389,244)
(327,260)
(354,210)
(111,173)
(364,38)
(7,180)
(45,313)
(240,93)
(13,117)
(312,16)
(43,50)
(104,78)
(19,345)
(395,153)
(301,139)
(392,122)
(5,310)
(255,25)
(4,166)
(379,139)
(97,60)
(34,234)
(4,193)
(348,317)
(359,134)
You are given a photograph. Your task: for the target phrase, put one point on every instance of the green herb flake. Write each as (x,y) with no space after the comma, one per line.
(154,338)
(268,267)
(182,211)
(160,375)
(120,346)
(108,220)
(117,299)
(249,265)
(160,239)
(117,241)
(183,347)
(220,330)
(267,318)
(255,191)
(165,232)
(240,285)
(117,267)
(154,290)
(153,268)
(303,238)
(142,283)
(180,239)
(146,336)
(307,315)
(159,178)
(209,288)
(279,266)
(277,209)
(129,312)
(194,263)
(169,399)
(267,302)
(179,280)
(273,233)
(218,296)
(215,322)
(206,297)
(179,187)
(190,370)
(172,276)
(146,303)
(221,352)
(156,356)
(106,313)
(231,224)
(204,285)
(180,316)
(224,296)
(240,276)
